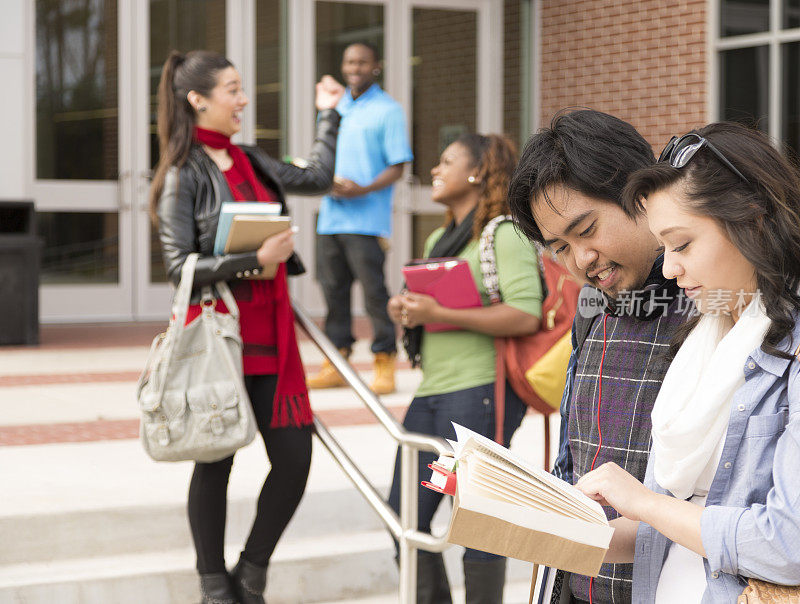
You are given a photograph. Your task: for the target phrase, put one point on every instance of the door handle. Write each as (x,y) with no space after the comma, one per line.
(143,189)
(122,198)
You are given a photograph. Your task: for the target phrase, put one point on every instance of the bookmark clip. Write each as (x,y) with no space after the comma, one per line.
(445,481)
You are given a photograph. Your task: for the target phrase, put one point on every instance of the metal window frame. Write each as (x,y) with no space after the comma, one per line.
(774,39)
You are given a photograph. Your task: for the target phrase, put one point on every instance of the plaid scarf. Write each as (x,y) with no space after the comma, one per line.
(635,363)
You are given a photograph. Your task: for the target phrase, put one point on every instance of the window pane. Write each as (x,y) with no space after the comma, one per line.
(514,82)
(182,25)
(791,95)
(158,272)
(791,13)
(79,247)
(76,89)
(270,76)
(744,86)
(422,226)
(339,24)
(743,17)
(444,82)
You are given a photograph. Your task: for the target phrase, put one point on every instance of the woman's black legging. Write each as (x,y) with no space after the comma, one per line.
(289,451)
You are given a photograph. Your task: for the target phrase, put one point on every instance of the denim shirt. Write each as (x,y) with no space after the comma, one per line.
(750,526)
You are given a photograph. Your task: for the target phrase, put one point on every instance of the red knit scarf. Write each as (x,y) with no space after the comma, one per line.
(291,405)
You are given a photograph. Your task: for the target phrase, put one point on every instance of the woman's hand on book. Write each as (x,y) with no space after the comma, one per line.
(612,486)
(395,309)
(419,309)
(276,249)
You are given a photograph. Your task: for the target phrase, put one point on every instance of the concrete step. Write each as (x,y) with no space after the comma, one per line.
(102,523)
(515,592)
(337,568)
(108,498)
(42,538)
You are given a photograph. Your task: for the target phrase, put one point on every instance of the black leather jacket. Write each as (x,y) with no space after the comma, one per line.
(188,210)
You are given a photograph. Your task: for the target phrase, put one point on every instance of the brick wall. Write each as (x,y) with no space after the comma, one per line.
(641,60)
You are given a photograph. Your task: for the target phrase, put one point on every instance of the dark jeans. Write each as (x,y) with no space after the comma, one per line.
(473,408)
(342,259)
(289,452)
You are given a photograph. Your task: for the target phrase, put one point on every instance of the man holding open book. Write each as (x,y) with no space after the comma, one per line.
(566,195)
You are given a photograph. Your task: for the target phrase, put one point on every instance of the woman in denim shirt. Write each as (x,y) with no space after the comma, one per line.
(721,497)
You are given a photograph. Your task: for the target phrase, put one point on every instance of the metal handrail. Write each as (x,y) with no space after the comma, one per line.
(404,527)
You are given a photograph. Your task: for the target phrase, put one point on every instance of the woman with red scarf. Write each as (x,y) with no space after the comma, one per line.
(200,102)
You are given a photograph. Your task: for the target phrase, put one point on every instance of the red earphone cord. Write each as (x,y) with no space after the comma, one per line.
(599,431)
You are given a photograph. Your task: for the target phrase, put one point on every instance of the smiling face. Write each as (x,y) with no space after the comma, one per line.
(224,105)
(359,65)
(697,252)
(596,240)
(451,175)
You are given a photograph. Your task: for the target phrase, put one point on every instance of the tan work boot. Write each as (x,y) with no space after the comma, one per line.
(327,377)
(383,383)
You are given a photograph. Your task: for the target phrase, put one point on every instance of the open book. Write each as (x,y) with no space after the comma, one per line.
(506,506)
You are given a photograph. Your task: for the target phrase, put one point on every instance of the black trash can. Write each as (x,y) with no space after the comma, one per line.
(20,258)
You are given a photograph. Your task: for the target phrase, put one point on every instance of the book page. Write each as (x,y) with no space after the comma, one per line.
(566,498)
(535,495)
(502,469)
(496,454)
(476,485)
(572,529)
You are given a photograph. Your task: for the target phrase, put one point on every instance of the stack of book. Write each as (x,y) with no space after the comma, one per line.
(244,226)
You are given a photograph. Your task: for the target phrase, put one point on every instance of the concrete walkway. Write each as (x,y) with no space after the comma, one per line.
(86,517)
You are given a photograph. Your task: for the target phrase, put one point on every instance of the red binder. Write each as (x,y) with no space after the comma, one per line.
(448,280)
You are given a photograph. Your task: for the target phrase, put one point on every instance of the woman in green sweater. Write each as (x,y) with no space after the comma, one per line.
(458,367)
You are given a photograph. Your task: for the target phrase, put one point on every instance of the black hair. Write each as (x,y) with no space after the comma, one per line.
(495,157)
(370,46)
(585,150)
(197,70)
(761,218)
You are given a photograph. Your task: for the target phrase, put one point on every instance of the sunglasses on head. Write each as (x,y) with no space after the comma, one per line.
(680,150)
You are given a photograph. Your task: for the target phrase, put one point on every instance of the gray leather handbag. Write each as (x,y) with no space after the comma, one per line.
(194,405)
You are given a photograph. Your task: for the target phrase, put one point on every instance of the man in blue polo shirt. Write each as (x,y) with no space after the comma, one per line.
(356,218)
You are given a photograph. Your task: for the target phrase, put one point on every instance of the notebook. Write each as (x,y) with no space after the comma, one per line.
(448,280)
(247,233)
(230,209)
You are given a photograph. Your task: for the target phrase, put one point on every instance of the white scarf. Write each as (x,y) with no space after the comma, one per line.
(691,412)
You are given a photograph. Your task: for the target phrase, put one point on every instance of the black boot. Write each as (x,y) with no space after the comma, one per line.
(484,581)
(249,582)
(432,584)
(215,588)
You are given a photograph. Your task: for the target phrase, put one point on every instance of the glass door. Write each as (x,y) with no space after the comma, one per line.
(438,65)
(163,25)
(451,70)
(78,164)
